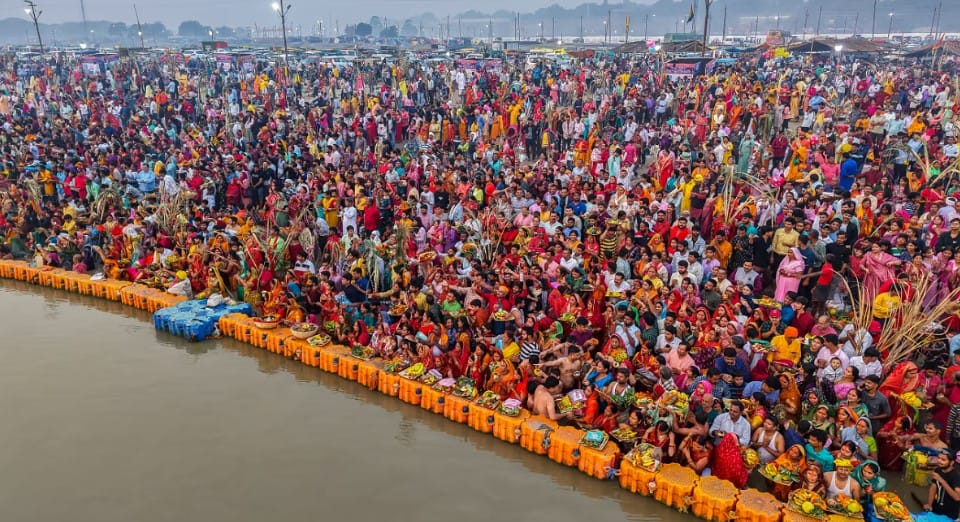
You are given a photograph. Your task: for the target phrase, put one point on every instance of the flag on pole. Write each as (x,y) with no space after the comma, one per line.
(690,15)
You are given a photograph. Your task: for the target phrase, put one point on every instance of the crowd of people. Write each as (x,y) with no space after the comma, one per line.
(594,228)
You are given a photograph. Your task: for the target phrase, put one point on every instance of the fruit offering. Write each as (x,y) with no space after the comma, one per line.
(430,378)
(807,502)
(395,365)
(566,404)
(319,340)
(779,474)
(624,434)
(510,407)
(846,506)
(889,508)
(644,456)
(489,400)
(364,353)
(413,372)
(675,400)
(465,387)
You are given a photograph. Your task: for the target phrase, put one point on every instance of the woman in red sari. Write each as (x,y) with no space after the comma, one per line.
(890,447)
(727,463)
(904,378)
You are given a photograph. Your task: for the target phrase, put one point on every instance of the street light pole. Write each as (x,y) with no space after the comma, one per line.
(31,10)
(890,27)
(282,8)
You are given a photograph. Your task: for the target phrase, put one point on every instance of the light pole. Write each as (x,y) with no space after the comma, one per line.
(646,24)
(890,27)
(873,29)
(31,10)
(282,9)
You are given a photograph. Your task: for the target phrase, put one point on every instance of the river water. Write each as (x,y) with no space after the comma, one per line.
(105,419)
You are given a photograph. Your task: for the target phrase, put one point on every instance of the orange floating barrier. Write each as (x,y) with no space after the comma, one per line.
(535,434)
(636,479)
(565,446)
(45,276)
(290,348)
(229,323)
(349,367)
(310,355)
(433,400)
(507,428)
(714,499)
(388,384)
(596,462)
(675,485)
(276,338)
(481,419)
(332,356)
(31,274)
(756,506)
(8,268)
(410,391)
(72,281)
(368,372)
(298,350)
(456,408)
(110,289)
(21,271)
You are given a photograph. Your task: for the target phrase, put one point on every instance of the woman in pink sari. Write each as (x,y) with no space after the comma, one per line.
(789,273)
(880,267)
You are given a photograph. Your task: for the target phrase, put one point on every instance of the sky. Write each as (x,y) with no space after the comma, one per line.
(242,13)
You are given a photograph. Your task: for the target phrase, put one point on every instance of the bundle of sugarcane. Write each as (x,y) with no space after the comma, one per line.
(908,331)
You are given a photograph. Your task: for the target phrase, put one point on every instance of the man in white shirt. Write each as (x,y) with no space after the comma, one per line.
(855,342)
(732,422)
(868,363)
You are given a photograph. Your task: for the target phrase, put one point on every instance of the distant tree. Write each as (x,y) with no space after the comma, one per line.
(117,29)
(390,32)
(192,28)
(409,28)
(363,30)
(156,29)
(350,30)
(225,32)
(376,23)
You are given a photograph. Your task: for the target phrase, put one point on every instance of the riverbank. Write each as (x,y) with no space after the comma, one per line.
(673,486)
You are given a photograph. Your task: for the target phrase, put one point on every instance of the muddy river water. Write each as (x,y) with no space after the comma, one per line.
(105,419)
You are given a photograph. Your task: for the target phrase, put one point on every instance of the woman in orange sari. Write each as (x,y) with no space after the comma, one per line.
(793,460)
(501,375)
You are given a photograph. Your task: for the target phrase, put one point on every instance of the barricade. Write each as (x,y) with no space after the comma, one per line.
(565,446)
(636,479)
(456,408)
(598,463)
(756,506)
(481,419)
(433,400)
(349,366)
(388,384)
(675,485)
(507,428)
(535,434)
(410,391)
(368,372)
(714,499)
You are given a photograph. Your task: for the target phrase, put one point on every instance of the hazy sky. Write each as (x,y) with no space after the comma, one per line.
(250,12)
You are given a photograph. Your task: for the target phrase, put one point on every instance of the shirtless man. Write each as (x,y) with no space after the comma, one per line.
(543,400)
(571,368)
